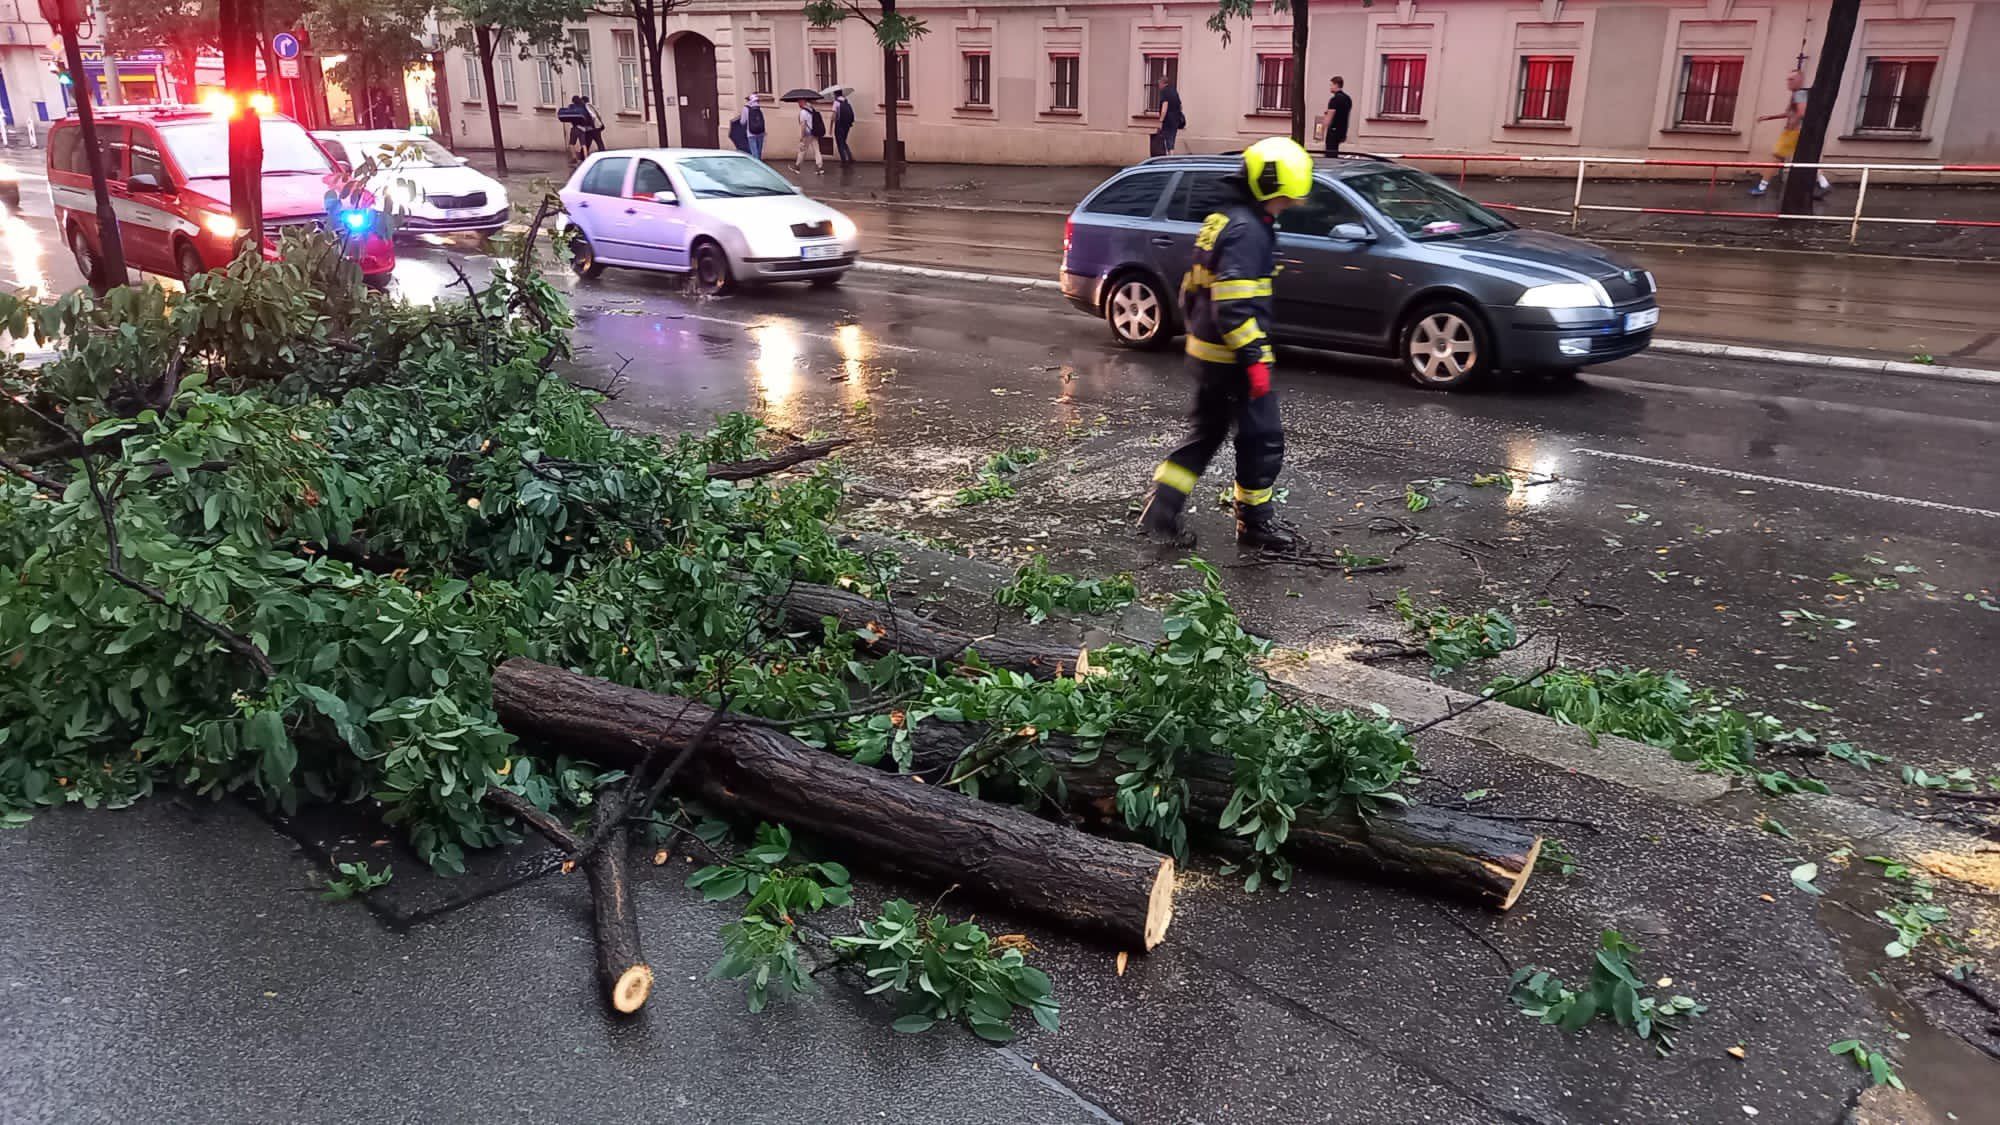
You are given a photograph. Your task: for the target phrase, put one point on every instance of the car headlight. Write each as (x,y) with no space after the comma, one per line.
(844,228)
(220,225)
(1564,295)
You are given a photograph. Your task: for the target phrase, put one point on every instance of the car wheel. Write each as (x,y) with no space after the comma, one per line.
(87,262)
(583,256)
(1137,312)
(188,261)
(1445,347)
(711,269)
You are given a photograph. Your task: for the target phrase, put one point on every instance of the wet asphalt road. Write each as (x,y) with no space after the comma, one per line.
(1669,512)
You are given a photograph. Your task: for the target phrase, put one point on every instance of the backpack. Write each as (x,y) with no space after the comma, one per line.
(756,122)
(818,122)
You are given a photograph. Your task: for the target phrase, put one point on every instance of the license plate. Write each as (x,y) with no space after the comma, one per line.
(1640,321)
(811,253)
(460,212)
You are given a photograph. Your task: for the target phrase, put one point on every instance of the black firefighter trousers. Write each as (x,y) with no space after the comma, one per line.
(1222,400)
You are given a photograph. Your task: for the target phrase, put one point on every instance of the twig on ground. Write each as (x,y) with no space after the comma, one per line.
(1485,697)
(525,811)
(868,707)
(1477,936)
(1581,601)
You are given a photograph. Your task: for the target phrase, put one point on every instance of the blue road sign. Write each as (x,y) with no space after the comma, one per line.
(285,45)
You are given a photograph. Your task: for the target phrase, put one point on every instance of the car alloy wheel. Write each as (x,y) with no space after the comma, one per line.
(1136,313)
(189,262)
(711,268)
(1444,349)
(583,257)
(86,261)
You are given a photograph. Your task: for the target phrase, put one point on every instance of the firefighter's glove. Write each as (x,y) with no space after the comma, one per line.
(1260,379)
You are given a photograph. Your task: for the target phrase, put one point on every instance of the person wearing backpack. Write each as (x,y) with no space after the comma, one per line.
(811,128)
(753,127)
(1172,121)
(843,123)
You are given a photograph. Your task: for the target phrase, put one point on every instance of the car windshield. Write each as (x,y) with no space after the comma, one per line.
(403,152)
(1423,206)
(202,149)
(732,177)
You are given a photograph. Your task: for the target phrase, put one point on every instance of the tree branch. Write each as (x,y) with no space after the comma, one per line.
(21,470)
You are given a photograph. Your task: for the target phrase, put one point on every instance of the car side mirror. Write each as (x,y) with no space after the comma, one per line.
(144,182)
(1353,232)
(666,197)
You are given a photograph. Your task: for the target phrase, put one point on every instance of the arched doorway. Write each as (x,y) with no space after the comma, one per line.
(694,82)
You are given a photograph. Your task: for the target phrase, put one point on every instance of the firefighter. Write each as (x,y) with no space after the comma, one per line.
(1226,304)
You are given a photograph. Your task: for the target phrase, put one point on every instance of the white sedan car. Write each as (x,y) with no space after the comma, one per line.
(723,217)
(430,190)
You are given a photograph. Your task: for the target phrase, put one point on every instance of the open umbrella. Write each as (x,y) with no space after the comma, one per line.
(832,92)
(800,94)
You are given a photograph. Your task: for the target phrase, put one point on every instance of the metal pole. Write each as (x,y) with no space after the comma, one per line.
(109,243)
(1860,196)
(1576,201)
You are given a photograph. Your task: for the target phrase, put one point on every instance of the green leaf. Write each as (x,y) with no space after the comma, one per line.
(914,1023)
(1803,876)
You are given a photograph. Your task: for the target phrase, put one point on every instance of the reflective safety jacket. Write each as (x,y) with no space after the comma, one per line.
(1226,295)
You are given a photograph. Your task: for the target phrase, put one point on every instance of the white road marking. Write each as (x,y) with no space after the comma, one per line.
(1733,474)
(752,326)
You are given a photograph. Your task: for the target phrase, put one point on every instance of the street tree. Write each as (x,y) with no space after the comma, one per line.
(1833,51)
(181,29)
(894,32)
(379,39)
(532,27)
(651,18)
(1301,13)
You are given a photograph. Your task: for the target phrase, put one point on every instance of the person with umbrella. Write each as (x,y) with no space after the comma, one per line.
(811,128)
(843,121)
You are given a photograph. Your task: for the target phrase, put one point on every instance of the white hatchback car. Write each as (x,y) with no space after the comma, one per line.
(430,190)
(723,217)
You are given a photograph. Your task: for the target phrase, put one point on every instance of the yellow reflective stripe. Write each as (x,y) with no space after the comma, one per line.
(1212,353)
(1252,496)
(1241,290)
(1175,477)
(1197,277)
(1268,356)
(1244,334)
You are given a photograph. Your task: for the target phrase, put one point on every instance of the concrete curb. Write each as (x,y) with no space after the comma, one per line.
(1676,347)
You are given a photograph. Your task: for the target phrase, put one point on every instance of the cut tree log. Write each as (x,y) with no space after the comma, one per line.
(898,630)
(776,463)
(1437,850)
(1119,890)
(622,968)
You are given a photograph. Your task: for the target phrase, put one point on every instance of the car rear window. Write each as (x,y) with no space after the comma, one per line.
(1133,196)
(606,177)
(1200,195)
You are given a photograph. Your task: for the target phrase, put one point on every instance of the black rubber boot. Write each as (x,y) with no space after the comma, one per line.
(1258,528)
(1162,522)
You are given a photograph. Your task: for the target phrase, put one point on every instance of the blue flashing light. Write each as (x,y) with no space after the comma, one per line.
(357,221)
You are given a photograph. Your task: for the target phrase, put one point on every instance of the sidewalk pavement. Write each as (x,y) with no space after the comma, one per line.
(1020,188)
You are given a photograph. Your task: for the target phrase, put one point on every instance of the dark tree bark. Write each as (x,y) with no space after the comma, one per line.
(621,966)
(1118,890)
(643,11)
(1301,29)
(1833,51)
(892,149)
(897,630)
(483,42)
(777,462)
(1434,850)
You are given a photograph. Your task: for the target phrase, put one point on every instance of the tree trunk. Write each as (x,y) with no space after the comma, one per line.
(110,244)
(1301,28)
(1833,50)
(649,37)
(621,967)
(444,136)
(1119,890)
(898,630)
(483,41)
(246,135)
(892,149)
(777,462)
(1434,850)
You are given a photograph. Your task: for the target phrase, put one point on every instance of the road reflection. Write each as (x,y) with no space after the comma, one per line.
(1535,472)
(777,368)
(23,252)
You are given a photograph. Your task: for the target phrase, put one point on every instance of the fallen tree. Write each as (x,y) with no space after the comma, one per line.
(1117,890)
(883,628)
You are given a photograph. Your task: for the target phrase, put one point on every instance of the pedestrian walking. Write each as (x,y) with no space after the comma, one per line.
(1226,302)
(753,126)
(1172,121)
(585,127)
(843,124)
(1788,138)
(811,128)
(1333,123)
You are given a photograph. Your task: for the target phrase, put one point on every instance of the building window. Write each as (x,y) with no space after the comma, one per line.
(1544,94)
(903,77)
(760,70)
(579,47)
(1162,71)
(1895,93)
(1064,71)
(826,67)
(978,79)
(631,94)
(473,87)
(1708,90)
(504,56)
(545,79)
(1402,85)
(1274,83)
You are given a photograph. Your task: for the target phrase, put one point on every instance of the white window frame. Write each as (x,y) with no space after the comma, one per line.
(475,88)
(510,94)
(631,82)
(1056,59)
(579,45)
